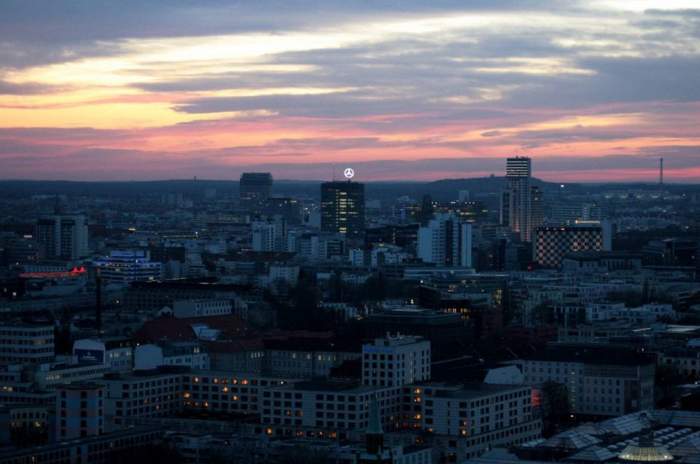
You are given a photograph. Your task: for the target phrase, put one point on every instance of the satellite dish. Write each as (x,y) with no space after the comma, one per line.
(349,173)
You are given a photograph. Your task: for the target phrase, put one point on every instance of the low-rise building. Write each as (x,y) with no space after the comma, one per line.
(26,343)
(601,381)
(396,361)
(142,394)
(201,308)
(124,267)
(117,354)
(330,409)
(182,354)
(79,410)
(97,449)
(226,392)
(466,420)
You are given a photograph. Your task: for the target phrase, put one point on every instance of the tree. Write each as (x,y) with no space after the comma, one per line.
(29,435)
(556,406)
(335,286)
(304,295)
(155,453)
(375,287)
(630,298)
(667,378)
(543,313)
(304,455)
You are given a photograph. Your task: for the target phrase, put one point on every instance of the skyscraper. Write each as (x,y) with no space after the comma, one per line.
(516,200)
(62,236)
(343,208)
(255,189)
(536,207)
(446,241)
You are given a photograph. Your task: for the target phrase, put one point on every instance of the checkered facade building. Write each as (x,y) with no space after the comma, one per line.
(552,243)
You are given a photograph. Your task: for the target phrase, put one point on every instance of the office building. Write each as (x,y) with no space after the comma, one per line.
(333,409)
(156,294)
(395,361)
(124,267)
(446,241)
(601,381)
(47,376)
(288,208)
(255,189)
(142,394)
(466,420)
(227,392)
(115,353)
(201,308)
(304,358)
(269,235)
(19,389)
(26,344)
(179,354)
(442,329)
(62,236)
(343,208)
(79,411)
(553,243)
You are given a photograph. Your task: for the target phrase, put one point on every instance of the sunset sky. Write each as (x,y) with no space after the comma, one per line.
(592,90)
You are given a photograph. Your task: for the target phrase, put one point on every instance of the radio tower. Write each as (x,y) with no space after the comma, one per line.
(661,171)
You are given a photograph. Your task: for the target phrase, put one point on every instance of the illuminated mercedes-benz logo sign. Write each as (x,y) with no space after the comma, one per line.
(349,173)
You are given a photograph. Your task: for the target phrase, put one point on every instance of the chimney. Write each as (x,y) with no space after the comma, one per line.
(98,300)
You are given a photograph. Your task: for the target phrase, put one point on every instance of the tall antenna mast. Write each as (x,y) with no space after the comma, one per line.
(661,171)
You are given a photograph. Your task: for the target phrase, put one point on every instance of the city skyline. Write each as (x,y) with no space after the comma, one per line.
(592,91)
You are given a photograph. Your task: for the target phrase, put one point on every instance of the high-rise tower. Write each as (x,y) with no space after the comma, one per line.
(343,208)
(63,236)
(255,189)
(446,241)
(516,201)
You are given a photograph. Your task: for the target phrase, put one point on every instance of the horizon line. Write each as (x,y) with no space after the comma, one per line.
(375,181)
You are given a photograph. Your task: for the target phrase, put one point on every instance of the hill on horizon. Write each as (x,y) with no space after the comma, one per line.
(442,189)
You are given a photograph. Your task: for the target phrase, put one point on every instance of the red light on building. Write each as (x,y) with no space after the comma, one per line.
(75,272)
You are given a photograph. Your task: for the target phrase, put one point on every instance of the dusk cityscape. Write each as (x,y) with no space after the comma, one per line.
(391,232)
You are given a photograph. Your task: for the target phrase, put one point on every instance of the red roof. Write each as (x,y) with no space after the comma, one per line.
(172,329)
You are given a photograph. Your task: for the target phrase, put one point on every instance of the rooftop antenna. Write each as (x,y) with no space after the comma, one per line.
(98,301)
(661,171)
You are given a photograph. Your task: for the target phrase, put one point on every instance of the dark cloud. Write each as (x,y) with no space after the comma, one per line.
(617,80)
(80,20)
(10,88)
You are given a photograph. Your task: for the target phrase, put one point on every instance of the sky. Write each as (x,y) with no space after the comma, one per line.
(594,90)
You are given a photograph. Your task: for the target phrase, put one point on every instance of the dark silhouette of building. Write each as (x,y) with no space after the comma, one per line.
(255,189)
(426,210)
(288,208)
